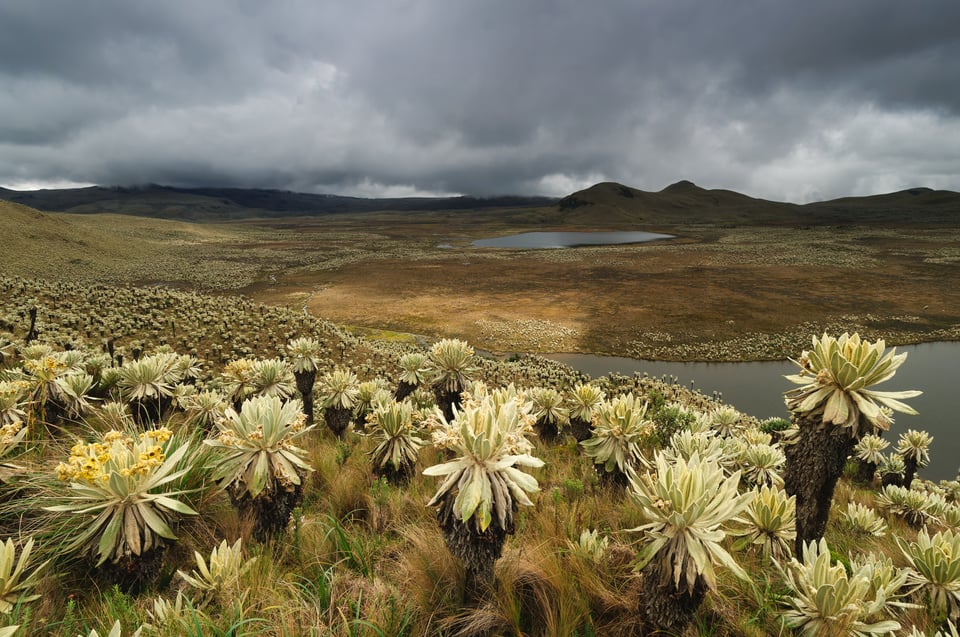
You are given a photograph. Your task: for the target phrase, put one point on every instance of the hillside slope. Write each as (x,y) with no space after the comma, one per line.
(97,247)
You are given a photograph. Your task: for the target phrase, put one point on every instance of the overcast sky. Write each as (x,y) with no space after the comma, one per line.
(787,100)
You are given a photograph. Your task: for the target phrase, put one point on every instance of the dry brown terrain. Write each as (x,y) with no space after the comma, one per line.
(717,291)
(709,294)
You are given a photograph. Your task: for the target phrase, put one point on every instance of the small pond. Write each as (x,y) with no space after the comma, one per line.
(756,388)
(535,240)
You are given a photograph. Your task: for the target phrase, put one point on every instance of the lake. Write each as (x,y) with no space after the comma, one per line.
(757,388)
(540,240)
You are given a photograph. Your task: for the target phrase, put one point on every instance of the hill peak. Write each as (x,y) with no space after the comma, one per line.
(682,186)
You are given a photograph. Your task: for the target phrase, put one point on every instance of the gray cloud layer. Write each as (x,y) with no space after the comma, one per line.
(785,100)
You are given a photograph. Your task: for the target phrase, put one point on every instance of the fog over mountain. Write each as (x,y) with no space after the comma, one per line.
(784,101)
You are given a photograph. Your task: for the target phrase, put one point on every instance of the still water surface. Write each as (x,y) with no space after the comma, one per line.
(534,240)
(757,388)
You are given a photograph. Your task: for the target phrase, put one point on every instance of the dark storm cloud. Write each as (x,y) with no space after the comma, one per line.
(777,99)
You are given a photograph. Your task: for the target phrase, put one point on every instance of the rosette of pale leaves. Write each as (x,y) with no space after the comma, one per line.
(126,484)
(224,569)
(339,388)
(413,368)
(762,464)
(915,506)
(936,569)
(836,378)
(914,445)
(204,408)
(887,582)
(706,444)
(870,448)
(74,390)
(770,522)
(756,436)
(237,379)
(450,365)
(256,446)
(485,477)
(151,377)
(371,394)
(687,504)
(950,517)
(273,377)
(619,429)
(592,545)
(726,420)
(304,353)
(548,406)
(826,600)
(399,442)
(16,585)
(583,399)
(892,465)
(862,519)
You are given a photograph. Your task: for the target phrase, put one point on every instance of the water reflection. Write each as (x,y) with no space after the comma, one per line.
(567,239)
(757,388)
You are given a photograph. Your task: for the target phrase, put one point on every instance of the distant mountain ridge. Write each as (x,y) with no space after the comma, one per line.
(608,203)
(685,202)
(211,203)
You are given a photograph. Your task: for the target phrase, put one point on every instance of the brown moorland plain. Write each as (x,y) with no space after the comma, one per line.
(742,279)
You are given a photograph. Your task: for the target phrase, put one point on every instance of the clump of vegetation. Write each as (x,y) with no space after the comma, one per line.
(258,464)
(348,552)
(482,487)
(832,409)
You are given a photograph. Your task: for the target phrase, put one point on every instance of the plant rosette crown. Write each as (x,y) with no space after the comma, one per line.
(620,427)
(126,481)
(489,438)
(398,440)
(836,377)
(687,503)
(258,453)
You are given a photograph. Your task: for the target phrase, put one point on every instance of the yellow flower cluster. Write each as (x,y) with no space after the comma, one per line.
(45,368)
(240,370)
(118,454)
(9,431)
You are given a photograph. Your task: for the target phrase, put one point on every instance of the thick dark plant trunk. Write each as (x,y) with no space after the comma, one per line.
(148,411)
(476,551)
(338,419)
(135,574)
(666,609)
(814,465)
(865,471)
(395,476)
(909,471)
(305,381)
(548,431)
(404,389)
(615,480)
(891,479)
(269,513)
(446,400)
(32,332)
(581,429)
(52,413)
